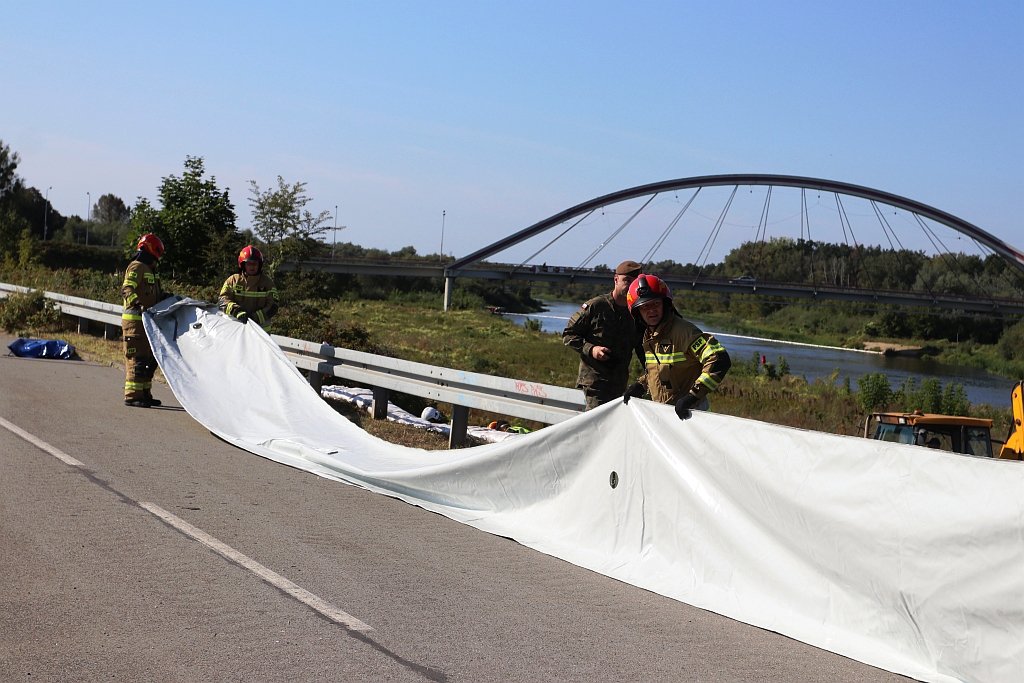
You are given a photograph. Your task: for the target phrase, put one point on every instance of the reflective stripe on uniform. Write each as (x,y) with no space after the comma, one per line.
(131,316)
(710,350)
(238,291)
(656,358)
(707,381)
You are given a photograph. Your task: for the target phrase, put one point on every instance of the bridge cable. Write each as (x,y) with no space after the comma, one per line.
(844,222)
(649,256)
(948,257)
(608,239)
(805,219)
(558,237)
(1016,282)
(713,235)
(890,235)
(762,230)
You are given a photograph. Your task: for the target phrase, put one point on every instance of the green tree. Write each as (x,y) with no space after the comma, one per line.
(8,170)
(11,222)
(195,221)
(280,219)
(110,209)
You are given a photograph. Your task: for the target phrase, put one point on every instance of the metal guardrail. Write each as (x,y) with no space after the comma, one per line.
(463,390)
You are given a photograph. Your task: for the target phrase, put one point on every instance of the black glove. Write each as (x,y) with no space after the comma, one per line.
(684,404)
(242,317)
(634,389)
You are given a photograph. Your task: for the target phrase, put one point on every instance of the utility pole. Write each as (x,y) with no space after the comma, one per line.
(88,215)
(334,232)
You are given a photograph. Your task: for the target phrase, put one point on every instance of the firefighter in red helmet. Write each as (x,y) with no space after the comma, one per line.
(682,363)
(249,294)
(140,290)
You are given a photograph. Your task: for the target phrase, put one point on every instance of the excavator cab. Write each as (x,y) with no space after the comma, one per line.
(953,433)
(967,435)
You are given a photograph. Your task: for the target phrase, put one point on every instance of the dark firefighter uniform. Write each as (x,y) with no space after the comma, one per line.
(602,322)
(140,291)
(680,359)
(254,295)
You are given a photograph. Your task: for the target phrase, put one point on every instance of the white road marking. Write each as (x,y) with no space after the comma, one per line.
(273,578)
(268,575)
(41,445)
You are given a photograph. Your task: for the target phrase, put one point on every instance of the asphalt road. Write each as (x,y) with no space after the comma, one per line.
(96,586)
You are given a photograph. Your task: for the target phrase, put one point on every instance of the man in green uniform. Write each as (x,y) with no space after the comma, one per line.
(140,290)
(606,337)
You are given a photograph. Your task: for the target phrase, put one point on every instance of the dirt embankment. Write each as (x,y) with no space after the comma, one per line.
(893,349)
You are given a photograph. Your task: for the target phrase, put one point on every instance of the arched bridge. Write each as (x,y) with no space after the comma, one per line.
(862,216)
(881,203)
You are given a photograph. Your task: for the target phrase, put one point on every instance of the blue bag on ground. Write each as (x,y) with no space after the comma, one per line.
(42,348)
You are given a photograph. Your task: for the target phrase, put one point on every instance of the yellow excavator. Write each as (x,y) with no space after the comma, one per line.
(955,433)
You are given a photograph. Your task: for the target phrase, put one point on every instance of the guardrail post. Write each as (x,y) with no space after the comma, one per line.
(316,380)
(379,407)
(460,418)
(448,284)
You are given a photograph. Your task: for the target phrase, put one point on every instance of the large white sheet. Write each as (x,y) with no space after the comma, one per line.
(905,558)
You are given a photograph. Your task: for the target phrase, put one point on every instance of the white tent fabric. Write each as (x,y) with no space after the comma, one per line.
(905,558)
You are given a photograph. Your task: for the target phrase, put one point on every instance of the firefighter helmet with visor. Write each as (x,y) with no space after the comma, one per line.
(250,253)
(152,245)
(645,289)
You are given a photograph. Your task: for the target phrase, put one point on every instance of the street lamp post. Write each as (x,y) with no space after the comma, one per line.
(442,234)
(88,215)
(46,210)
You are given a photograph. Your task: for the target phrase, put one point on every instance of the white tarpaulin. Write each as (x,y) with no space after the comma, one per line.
(905,558)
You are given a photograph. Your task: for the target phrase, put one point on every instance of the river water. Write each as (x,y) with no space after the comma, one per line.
(816,362)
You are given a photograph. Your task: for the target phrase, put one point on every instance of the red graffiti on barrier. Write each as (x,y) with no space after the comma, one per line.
(531,389)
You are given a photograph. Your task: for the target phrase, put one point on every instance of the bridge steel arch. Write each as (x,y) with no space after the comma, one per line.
(1012,255)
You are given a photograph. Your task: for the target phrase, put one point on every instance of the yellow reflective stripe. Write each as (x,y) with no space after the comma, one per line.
(707,381)
(151,277)
(136,386)
(130,300)
(711,350)
(260,317)
(131,278)
(665,358)
(131,316)
(251,295)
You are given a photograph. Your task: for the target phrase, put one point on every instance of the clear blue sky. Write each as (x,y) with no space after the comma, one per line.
(503,113)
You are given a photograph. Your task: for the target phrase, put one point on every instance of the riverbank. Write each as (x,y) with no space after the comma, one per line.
(851,334)
(821,360)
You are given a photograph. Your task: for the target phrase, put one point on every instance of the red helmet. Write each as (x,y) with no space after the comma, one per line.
(250,253)
(152,245)
(645,289)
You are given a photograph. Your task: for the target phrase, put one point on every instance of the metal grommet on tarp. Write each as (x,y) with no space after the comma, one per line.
(613,479)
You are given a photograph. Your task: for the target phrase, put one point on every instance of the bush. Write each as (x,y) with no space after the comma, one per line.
(874,392)
(20,313)
(308,321)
